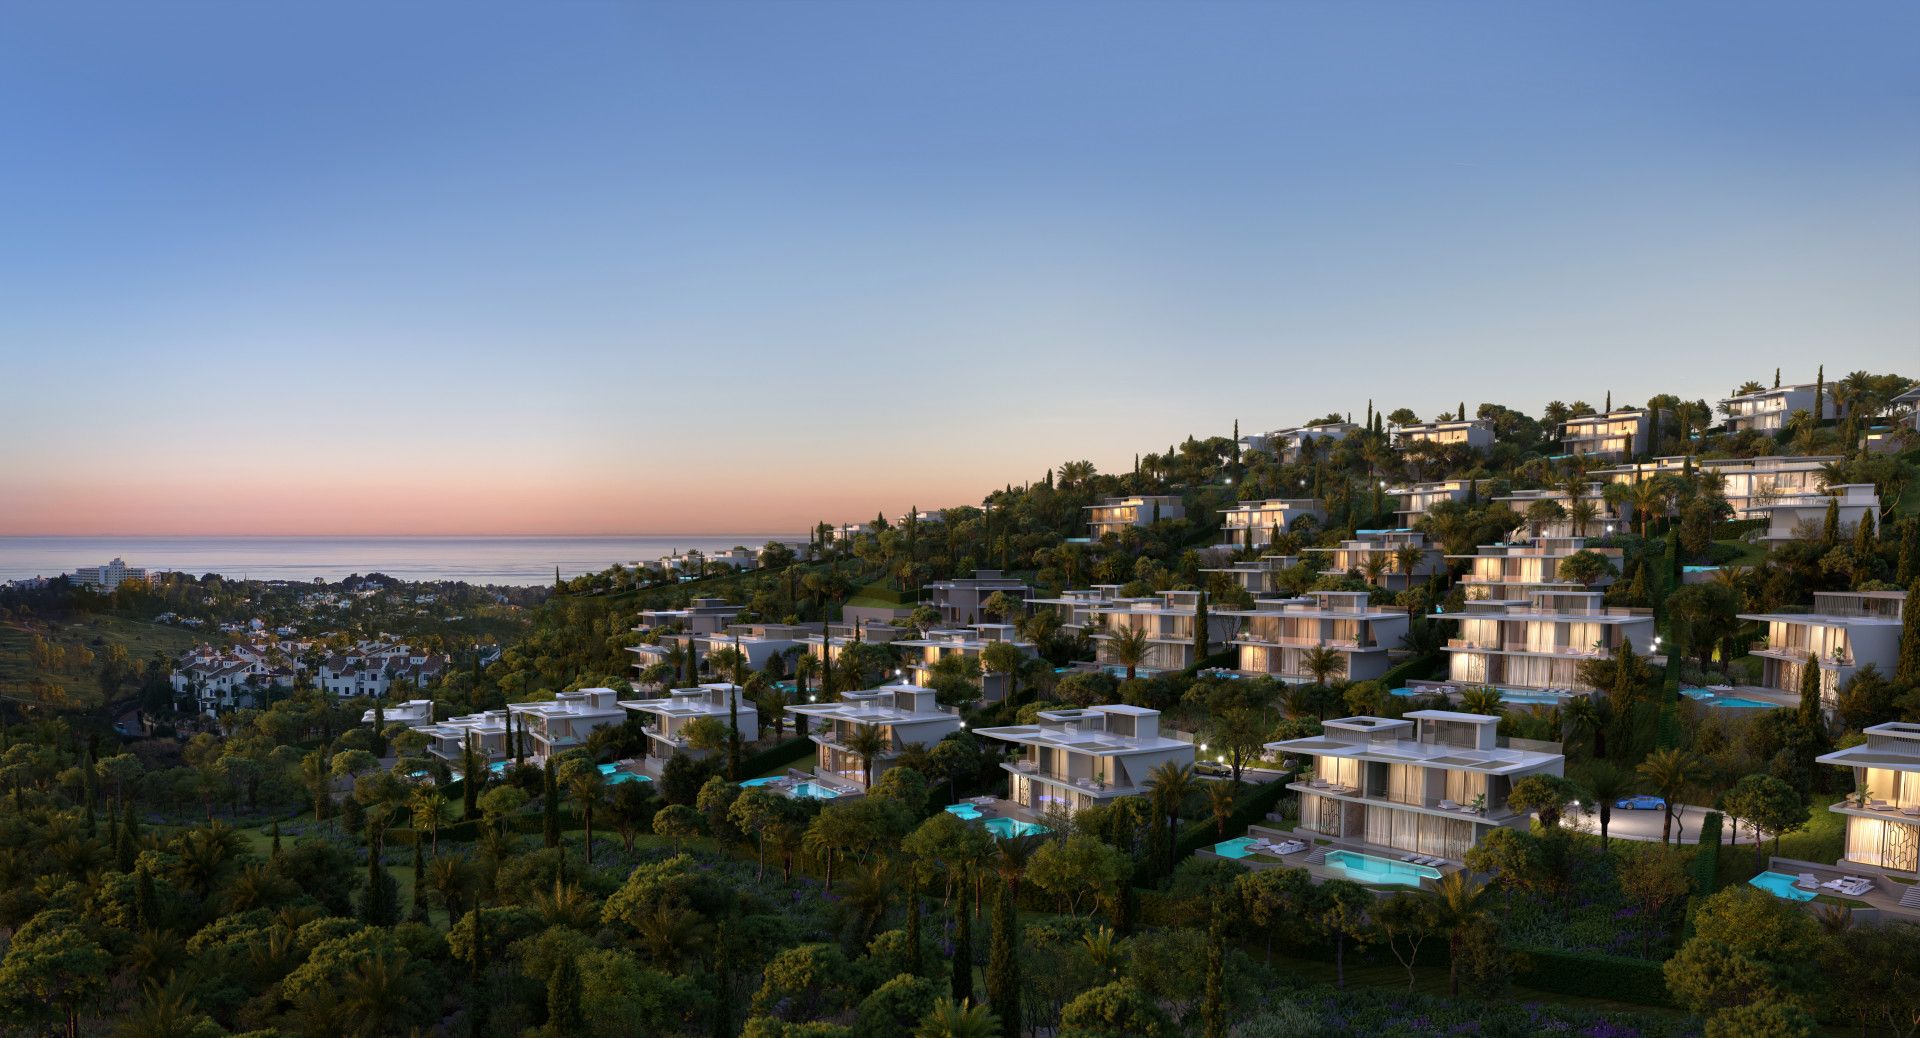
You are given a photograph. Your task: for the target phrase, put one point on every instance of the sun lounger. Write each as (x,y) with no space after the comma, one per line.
(1913,810)
(1290,847)
(1807,881)
(1410,857)
(1448,805)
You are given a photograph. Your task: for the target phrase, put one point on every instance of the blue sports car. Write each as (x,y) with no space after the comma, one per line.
(1640,803)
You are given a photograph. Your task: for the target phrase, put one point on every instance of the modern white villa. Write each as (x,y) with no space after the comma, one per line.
(1541,642)
(1751,485)
(1843,632)
(1257,576)
(1252,524)
(920,655)
(1168,621)
(414,713)
(1619,433)
(1768,410)
(1883,818)
(1473,432)
(904,715)
(1911,401)
(1508,572)
(565,722)
(1386,545)
(1275,636)
(1803,516)
(1606,517)
(1116,514)
(666,719)
(1074,759)
(1076,607)
(1417,499)
(838,636)
(700,616)
(1287,442)
(760,643)
(1430,783)
(486,732)
(959,600)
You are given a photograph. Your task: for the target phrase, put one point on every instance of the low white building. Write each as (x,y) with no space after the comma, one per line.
(1768,410)
(700,616)
(565,722)
(1276,636)
(1075,759)
(1804,516)
(1883,821)
(903,714)
(1116,514)
(1287,442)
(667,717)
(1843,632)
(1253,524)
(1433,782)
(1473,432)
(1540,643)
(414,713)
(1751,486)
(760,643)
(107,577)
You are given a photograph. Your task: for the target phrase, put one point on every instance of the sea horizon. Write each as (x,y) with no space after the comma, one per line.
(521,560)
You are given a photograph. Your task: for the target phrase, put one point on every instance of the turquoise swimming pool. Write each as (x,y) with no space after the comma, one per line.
(1368,868)
(963,811)
(615,776)
(1779,884)
(1707,697)
(768,781)
(1519,696)
(1004,827)
(814,791)
(1238,847)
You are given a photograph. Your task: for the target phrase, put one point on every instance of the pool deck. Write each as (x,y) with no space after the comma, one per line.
(1883,899)
(1314,857)
(1000,807)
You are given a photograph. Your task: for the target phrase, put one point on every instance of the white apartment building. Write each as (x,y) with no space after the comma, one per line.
(920,655)
(1540,643)
(414,713)
(1618,433)
(1253,524)
(1884,831)
(1843,632)
(667,717)
(1075,759)
(1473,432)
(1432,782)
(107,577)
(1351,556)
(565,722)
(1167,618)
(370,668)
(1417,499)
(1287,442)
(1508,572)
(1116,514)
(904,714)
(1258,576)
(958,600)
(1276,635)
(1768,410)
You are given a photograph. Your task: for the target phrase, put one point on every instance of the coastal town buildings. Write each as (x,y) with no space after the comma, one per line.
(370,668)
(1433,782)
(107,577)
(1075,759)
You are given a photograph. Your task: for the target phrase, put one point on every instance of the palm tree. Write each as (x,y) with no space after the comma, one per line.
(867,741)
(1605,782)
(1669,773)
(1129,647)
(164,1013)
(1039,627)
(1583,513)
(429,810)
(1374,566)
(383,988)
(1407,557)
(1482,699)
(587,788)
(1459,904)
(452,880)
(964,1019)
(1171,785)
(1323,662)
(1011,855)
(1220,802)
(1579,721)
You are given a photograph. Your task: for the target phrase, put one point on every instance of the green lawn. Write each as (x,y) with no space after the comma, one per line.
(96,633)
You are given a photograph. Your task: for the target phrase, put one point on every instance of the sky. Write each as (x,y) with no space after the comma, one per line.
(468,268)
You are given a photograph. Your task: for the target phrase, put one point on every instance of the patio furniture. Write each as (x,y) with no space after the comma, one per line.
(1877,805)
(1448,805)
(1913,810)
(1290,847)
(1807,881)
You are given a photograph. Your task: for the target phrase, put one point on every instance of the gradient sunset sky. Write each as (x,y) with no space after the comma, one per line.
(716,267)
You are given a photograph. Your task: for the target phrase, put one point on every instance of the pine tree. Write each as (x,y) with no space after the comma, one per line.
(550,805)
(962,947)
(1003,964)
(419,882)
(1213,1010)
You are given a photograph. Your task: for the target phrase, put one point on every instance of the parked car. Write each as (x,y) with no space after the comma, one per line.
(1207,767)
(1640,803)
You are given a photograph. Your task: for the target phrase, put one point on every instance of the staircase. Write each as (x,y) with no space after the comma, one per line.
(1911,898)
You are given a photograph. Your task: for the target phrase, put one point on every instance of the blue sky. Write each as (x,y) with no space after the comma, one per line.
(473,268)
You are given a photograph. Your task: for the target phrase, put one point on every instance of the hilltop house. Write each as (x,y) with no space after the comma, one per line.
(1883,818)
(903,714)
(1540,643)
(1075,759)
(1843,632)
(1473,432)
(1253,524)
(1287,442)
(1623,432)
(1433,782)
(1116,514)
(1767,411)
(1275,636)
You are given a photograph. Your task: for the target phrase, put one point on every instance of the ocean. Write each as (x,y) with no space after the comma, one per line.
(523,561)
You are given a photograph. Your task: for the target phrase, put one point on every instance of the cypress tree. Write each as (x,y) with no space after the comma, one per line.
(419,881)
(1200,624)
(1463,410)
(915,965)
(1909,548)
(1863,537)
(379,726)
(963,947)
(273,855)
(1003,964)
(1907,671)
(1830,534)
(127,845)
(477,963)
(1820,396)
(469,780)
(1810,692)
(722,983)
(565,1018)
(1213,1010)
(1609,408)
(1776,378)
(146,906)
(1159,845)
(379,902)
(826,656)
(550,805)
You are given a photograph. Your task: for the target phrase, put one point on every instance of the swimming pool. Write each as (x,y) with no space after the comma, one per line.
(1005,827)
(813,791)
(1523,697)
(1367,868)
(615,776)
(1238,847)
(1706,697)
(963,811)
(1779,884)
(768,781)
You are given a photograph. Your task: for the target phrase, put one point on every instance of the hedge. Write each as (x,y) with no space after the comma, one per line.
(1420,667)
(1706,863)
(1248,810)
(1732,528)
(778,755)
(1591,975)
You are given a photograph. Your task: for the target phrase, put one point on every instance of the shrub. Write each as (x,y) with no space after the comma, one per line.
(1594,976)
